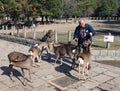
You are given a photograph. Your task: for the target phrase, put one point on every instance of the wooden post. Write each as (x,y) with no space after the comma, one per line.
(69,36)
(55,36)
(13,28)
(34,33)
(18,32)
(24,29)
(6,27)
(2,29)
(108,43)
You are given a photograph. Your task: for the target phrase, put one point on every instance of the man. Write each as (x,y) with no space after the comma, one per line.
(83,32)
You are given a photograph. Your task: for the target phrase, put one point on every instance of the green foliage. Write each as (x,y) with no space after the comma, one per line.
(50,7)
(87,7)
(70,8)
(108,7)
(56,8)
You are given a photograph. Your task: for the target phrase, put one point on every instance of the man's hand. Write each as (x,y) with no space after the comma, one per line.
(90,34)
(76,39)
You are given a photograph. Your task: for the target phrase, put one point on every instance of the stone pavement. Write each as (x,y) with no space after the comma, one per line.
(101,77)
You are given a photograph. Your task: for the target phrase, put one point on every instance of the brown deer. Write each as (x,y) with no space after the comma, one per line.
(47,36)
(22,61)
(63,50)
(36,51)
(41,46)
(84,59)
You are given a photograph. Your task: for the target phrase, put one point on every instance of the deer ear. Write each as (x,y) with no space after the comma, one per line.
(36,45)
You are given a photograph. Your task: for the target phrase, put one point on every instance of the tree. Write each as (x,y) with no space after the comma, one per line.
(50,8)
(70,8)
(118,11)
(108,8)
(87,7)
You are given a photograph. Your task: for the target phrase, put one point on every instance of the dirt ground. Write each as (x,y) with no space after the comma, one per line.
(97,25)
(64,28)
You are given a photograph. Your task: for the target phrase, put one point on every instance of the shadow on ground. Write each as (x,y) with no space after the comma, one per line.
(5,69)
(16,73)
(53,57)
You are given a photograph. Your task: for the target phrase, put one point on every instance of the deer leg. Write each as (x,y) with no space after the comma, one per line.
(10,70)
(79,71)
(48,56)
(73,64)
(87,69)
(24,79)
(56,59)
(83,71)
(61,61)
(29,75)
(41,52)
(39,59)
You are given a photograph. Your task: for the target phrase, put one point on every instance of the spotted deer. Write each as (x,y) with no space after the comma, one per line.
(63,50)
(84,59)
(22,61)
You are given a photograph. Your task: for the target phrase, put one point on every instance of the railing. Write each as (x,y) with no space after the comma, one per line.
(104,18)
(32,33)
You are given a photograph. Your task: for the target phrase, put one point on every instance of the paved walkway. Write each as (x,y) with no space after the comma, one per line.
(101,77)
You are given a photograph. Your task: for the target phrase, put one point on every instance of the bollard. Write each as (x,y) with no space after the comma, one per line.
(24,29)
(55,36)
(108,43)
(13,28)
(69,36)
(2,29)
(34,34)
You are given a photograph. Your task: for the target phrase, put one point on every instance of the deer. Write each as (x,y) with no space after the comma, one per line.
(23,61)
(36,51)
(41,47)
(63,50)
(84,59)
(47,36)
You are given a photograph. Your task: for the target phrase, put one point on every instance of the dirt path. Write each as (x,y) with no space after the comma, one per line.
(58,27)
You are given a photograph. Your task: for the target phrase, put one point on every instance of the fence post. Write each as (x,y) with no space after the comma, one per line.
(69,36)
(6,27)
(18,32)
(108,43)
(34,33)
(13,28)
(2,29)
(55,36)
(24,29)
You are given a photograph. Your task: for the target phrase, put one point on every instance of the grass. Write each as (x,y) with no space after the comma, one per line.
(98,41)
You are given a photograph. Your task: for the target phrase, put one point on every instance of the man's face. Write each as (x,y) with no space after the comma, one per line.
(82,23)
